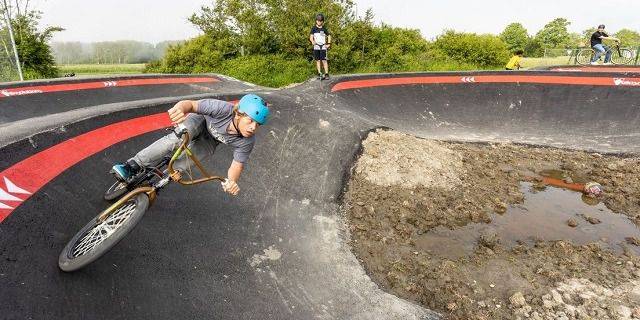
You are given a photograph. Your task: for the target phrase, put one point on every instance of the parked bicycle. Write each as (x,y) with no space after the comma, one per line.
(619,56)
(105,230)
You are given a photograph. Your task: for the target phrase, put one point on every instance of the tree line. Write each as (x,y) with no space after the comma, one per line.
(109,52)
(266,42)
(555,35)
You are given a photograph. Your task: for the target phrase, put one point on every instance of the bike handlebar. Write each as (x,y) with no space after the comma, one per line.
(182,132)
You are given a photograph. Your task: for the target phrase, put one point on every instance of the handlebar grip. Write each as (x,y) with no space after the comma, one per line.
(180,130)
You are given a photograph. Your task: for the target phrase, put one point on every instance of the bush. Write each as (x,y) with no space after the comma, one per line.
(267,70)
(482,50)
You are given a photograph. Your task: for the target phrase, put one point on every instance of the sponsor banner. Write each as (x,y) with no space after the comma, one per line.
(10,92)
(541,79)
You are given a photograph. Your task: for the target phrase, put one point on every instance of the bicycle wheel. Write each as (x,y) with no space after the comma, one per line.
(622,56)
(96,238)
(115,191)
(584,56)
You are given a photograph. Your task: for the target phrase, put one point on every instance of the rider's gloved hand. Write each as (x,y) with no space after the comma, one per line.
(231,187)
(177,113)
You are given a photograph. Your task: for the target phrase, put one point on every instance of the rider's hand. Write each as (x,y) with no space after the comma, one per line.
(327,45)
(230,187)
(177,113)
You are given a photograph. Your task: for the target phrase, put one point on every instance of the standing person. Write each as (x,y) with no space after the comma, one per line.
(514,62)
(321,41)
(599,48)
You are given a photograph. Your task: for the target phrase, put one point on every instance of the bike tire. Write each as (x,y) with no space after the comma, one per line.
(90,243)
(622,56)
(116,190)
(584,57)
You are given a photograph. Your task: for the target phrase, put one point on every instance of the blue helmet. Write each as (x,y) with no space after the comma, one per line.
(254,107)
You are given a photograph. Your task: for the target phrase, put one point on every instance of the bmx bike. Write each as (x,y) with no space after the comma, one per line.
(619,56)
(110,226)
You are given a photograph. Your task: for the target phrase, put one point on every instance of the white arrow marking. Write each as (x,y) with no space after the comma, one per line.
(13,188)
(4,206)
(6,196)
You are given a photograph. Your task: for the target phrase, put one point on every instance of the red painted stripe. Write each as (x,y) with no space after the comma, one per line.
(34,172)
(471,79)
(100,85)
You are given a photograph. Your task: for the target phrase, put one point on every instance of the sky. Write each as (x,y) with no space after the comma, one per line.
(157,20)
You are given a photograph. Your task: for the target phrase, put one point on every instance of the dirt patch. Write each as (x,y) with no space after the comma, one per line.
(405,189)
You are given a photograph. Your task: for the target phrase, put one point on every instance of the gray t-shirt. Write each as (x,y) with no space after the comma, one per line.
(218,115)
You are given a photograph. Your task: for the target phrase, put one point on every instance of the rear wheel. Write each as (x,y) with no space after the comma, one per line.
(97,238)
(622,56)
(584,56)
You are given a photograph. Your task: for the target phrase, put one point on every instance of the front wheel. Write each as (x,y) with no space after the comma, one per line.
(96,238)
(584,56)
(116,190)
(622,56)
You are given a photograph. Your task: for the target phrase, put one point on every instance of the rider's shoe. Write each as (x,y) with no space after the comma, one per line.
(124,171)
(325,76)
(607,63)
(594,63)
(320,76)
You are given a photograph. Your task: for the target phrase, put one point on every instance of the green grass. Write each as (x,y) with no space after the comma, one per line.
(101,69)
(528,63)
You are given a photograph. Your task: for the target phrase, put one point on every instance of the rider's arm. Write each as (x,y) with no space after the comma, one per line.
(311,39)
(610,38)
(180,110)
(233,174)
(328,40)
(235,170)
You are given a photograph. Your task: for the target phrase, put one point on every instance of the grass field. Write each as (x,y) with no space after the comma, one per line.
(528,63)
(101,69)
(111,69)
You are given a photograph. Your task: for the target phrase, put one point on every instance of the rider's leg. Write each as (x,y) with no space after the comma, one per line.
(607,55)
(599,49)
(326,67)
(162,147)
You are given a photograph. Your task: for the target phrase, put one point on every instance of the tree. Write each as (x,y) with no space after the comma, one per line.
(32,45)
(515,36)
(33,49)
(554,34)
(483,50)
(629,38)
(533,48)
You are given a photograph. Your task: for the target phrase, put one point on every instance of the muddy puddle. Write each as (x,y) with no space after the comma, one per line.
(550,214)
(497,231)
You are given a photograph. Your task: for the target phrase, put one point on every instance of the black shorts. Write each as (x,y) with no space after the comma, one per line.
(320,54)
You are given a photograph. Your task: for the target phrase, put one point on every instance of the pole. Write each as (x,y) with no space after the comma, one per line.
(13,42)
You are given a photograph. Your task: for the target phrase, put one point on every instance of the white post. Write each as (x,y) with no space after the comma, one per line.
(13,42)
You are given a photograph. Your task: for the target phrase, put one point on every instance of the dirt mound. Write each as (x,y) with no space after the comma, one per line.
(404,188)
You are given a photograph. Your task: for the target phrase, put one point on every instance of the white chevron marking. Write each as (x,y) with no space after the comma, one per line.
(4,206)
(13,188)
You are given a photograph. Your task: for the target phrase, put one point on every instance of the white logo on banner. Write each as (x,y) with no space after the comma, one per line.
(8,93)
(625,82)
(468,79)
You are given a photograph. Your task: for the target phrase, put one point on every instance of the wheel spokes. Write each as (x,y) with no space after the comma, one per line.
(100,232)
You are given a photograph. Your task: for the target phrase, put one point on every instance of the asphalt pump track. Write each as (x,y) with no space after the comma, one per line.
(280,249)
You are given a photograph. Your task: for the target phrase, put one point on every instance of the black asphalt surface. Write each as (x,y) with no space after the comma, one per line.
(199,253)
